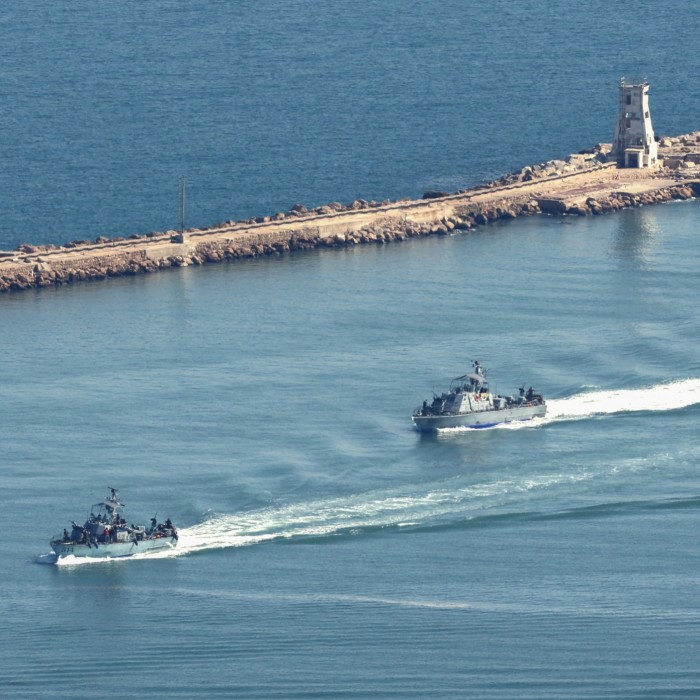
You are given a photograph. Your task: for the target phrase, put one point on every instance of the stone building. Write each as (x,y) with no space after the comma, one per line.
(634,145)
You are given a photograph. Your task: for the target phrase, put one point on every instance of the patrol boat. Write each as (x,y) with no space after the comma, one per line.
(470,404)
(106,534)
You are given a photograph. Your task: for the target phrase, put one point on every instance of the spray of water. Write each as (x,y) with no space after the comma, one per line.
(662,397)
(396,508)
(324,518)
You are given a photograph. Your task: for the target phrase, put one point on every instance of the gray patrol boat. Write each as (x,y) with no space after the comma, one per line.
(470,404)
(106,534)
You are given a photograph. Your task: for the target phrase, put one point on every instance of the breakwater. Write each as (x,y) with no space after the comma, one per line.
(583,184)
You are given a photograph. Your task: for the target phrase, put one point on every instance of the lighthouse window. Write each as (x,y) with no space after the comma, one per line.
(629,99)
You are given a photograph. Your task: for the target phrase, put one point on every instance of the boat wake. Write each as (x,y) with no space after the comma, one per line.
(438,504)
(441,504)
(662,397)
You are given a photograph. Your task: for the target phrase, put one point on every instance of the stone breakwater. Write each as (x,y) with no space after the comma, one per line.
(581,185)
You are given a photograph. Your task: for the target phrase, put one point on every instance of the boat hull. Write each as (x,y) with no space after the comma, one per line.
(478,419)
(111,550)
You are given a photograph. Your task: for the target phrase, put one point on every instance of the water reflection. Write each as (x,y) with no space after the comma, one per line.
(635,236)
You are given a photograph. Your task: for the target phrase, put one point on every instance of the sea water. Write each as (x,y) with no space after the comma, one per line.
(326,549)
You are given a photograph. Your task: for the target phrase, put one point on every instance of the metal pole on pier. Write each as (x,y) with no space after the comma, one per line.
(182,205)
(181,237)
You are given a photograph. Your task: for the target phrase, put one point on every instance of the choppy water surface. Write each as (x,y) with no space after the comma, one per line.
(326,549)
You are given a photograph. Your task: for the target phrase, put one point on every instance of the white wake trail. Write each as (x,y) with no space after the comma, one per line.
(393,508)
(330,517)
(669,396)
(662,397)
(371,510)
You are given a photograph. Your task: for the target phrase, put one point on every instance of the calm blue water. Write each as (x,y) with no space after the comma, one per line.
(327,550)
(103,105)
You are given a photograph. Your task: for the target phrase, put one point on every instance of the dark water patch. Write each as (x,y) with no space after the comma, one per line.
(623,508)
(508,519)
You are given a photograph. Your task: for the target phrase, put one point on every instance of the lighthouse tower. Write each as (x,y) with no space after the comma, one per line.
(634,145)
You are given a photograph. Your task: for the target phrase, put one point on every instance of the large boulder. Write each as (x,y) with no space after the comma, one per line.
(435,194)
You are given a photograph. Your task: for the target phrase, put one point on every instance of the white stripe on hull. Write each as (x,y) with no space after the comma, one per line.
(111,550)
(480,419)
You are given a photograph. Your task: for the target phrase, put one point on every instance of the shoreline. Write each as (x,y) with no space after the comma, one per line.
(583,184)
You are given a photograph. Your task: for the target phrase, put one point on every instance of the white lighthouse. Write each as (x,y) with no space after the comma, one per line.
(634,145)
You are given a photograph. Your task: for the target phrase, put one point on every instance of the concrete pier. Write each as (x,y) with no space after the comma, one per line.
(583,184)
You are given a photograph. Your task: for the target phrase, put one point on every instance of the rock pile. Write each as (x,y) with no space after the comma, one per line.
(680,153)
(620,200)
(334,207)
(44,266)
(388,229)
(685,141)
(589,159)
